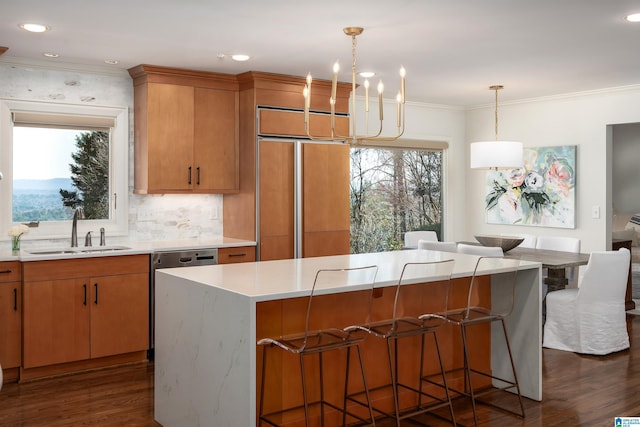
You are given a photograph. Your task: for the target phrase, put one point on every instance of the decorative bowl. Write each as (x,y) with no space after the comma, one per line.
(505,242)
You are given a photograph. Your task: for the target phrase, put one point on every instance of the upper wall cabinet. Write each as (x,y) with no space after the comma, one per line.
(186,131)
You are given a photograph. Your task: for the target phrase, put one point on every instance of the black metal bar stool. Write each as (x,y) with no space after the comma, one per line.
(316,342)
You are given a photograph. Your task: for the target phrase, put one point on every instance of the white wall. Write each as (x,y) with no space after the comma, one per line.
(578,119)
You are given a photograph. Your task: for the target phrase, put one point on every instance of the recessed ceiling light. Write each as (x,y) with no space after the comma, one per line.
(34,28)
(51,55)
(240,57)
(111,61)
(367,74)
(634,17)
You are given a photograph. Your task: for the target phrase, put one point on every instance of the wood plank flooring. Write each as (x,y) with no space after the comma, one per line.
(577,391)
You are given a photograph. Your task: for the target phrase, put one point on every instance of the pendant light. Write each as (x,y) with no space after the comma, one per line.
(496,154)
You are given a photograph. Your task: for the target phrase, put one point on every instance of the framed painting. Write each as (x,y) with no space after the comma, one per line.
(541,193)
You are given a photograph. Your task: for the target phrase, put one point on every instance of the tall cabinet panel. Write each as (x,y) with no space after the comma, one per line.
(277,199)
(326,207)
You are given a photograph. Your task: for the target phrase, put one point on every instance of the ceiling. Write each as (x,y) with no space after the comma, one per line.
(453,50)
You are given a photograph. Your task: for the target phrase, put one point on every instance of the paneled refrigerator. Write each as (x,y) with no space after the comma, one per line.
(303,198)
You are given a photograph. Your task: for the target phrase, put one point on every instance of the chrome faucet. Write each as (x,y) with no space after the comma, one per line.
(87,239)
(78,214)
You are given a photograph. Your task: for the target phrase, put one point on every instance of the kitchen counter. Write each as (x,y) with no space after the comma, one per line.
(207,320)
(132,248)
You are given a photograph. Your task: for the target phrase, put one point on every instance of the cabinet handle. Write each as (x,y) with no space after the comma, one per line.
(15,299)
(198,175)
(84,301)
(5,271)
(95,285)
(189,175)
(234,255)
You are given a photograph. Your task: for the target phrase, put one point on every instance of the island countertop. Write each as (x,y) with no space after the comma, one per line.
(272,280)
(207,320)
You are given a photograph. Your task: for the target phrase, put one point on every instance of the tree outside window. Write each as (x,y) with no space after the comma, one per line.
(393,191)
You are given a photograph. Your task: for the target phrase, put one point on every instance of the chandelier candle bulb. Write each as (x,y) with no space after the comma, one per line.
(403,73)
(380,106)
(399,99)
(366,95)
(334,83)
(305,93)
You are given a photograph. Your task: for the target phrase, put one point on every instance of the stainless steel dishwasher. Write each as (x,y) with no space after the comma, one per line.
(174,259)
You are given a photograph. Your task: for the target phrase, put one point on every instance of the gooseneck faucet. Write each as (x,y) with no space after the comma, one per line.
(78,214)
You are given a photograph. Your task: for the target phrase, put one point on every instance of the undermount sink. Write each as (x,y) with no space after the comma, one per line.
(87,249)
(51,252)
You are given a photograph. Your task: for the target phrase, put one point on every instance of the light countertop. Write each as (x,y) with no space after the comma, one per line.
(132,248)
(272,280)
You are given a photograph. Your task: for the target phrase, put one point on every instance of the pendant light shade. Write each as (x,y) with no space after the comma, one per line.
(496,154)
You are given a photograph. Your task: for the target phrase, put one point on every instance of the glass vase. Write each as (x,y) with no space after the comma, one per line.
(15,244)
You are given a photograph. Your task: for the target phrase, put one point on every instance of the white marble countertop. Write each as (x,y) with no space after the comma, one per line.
(131,248)
(273,280)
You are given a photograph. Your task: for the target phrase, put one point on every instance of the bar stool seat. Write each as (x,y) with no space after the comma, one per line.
(405,322)
(317,342)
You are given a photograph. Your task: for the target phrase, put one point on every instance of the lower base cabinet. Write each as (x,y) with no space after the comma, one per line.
(83,309)
(10,314)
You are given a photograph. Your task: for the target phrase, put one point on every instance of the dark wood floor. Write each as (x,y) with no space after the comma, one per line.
(577,391)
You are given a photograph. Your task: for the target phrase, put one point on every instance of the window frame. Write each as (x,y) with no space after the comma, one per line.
(117,224)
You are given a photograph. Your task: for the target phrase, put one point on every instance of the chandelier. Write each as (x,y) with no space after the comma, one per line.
(353,138)
(496,154)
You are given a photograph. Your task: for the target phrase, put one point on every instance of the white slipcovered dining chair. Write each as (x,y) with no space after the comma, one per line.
(411,238)
(437,246)
(591,319)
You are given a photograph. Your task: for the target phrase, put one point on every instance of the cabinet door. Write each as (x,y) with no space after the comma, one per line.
(119,314)
(170,137)
(55,322)
(276,200)
(10,323)
(215,141)
(326,208)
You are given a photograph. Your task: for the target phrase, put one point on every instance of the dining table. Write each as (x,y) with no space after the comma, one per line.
(556,263)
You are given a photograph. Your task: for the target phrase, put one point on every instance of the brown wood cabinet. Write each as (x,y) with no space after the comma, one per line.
(324,205)
(10,314)
(267,169)
(78,309)
(186,131)
(232,255)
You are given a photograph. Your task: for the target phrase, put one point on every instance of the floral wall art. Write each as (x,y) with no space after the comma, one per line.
(542,193)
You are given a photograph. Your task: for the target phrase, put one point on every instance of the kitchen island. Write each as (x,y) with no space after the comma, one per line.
(209,318)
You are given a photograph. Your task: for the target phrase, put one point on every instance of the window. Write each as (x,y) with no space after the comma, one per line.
(57,157)
(393,191)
